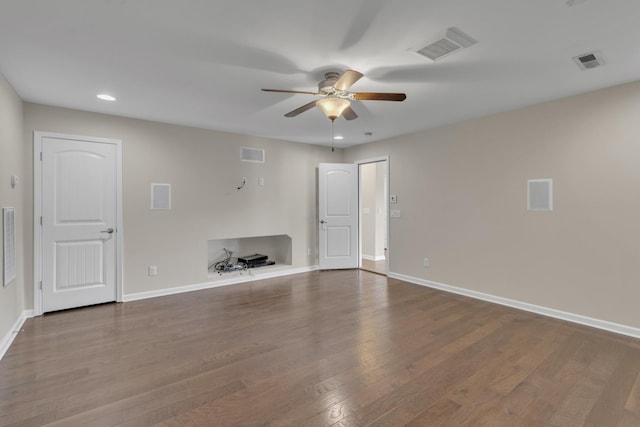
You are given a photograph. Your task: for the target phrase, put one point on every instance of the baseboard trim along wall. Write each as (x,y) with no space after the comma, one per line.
(373,258)
(249,277)
(6,341)
(545,311)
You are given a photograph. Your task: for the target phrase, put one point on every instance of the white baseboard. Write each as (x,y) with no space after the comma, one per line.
(373,258)
(545,311)
(249,276)
(6,341)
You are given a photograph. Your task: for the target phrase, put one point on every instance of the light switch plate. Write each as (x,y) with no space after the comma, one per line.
(393,198)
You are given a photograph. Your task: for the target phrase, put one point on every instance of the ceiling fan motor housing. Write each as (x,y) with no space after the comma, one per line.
(330,79)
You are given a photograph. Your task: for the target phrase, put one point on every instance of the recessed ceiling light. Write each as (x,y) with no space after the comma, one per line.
(338,137)
(106,97)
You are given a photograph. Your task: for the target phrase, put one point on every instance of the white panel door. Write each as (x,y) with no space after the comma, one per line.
(338,215)
(79,217)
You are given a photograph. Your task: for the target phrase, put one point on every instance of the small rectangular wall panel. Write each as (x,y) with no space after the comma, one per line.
(540,195)
(160,196)
(79,264)
(254,155)
(9,244)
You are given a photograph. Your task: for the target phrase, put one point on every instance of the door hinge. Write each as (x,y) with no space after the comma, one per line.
(40,221)
(40,284)
(41,156)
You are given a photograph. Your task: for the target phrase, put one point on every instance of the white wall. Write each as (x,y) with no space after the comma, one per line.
(462,193)
(11,163)
(381,208)
(372,200)
(368,209)
(204,170)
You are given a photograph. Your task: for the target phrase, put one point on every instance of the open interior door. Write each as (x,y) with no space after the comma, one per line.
(338,215)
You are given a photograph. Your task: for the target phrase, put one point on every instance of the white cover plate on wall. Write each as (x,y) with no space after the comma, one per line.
(540,195)
(160,196)
(9,244)
(255,155)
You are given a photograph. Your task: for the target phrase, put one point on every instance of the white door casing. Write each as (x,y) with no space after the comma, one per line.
(338,215)
(78,247)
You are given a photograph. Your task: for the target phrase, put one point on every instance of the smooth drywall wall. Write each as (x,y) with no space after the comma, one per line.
(462,196)
(368,210)
(373,211)
(204,170)
(381,208)
(11,163)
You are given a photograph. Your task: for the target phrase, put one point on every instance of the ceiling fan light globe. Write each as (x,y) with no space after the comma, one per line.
(333,107)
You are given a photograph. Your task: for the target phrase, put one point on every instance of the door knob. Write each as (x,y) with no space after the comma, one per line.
(322,221)
(108,230)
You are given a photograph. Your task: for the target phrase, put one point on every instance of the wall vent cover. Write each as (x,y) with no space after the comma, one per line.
(9,244)
(453,41)
(160,196)
(255,155)
(540,195)
(588,61)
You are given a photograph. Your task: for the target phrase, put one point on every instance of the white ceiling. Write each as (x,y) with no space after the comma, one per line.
(202,63)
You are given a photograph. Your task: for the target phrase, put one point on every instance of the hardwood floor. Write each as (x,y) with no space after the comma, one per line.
(331,348)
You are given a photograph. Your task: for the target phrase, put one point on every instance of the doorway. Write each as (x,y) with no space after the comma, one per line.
(373,202)
(77,221)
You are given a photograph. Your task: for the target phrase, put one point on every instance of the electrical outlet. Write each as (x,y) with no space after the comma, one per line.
(425,262)
(393,198)
(308,251)
(153,270)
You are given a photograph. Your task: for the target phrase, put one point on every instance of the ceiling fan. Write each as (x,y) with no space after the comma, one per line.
(336,98)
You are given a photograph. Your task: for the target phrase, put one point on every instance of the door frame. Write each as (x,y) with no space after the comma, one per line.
(38,136)
(386,205)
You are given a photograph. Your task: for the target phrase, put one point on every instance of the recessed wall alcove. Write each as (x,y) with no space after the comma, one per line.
(276,247)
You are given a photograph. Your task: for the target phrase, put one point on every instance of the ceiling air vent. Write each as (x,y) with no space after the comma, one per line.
(453,41)
(589,60)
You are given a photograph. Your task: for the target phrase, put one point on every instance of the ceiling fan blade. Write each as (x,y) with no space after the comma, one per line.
(302,109)
(347,79)
(349,114)
(379,96)
(291,91)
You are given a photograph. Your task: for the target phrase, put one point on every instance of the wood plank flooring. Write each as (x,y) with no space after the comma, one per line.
(379,267)
(331,348)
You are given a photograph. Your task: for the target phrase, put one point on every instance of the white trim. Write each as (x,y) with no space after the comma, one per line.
(250,277)
(373,258)
(6,341)
(545,311)
(37,212)
(372,160)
